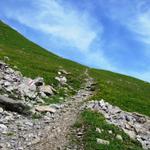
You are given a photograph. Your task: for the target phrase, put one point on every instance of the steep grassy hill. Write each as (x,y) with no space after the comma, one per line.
(32,60)
(126,92)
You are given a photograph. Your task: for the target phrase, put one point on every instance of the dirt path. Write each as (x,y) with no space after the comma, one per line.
(56,134)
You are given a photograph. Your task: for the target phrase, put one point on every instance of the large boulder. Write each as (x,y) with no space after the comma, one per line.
(27,89)
(13,105)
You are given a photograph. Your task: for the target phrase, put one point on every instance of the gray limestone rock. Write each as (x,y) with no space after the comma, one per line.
(101,141)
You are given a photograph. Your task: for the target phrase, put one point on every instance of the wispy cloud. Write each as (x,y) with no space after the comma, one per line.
(74,29)
(141,26)
(60,21)
(134,15)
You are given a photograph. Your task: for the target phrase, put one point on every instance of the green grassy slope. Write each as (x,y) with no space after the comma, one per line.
(126,92)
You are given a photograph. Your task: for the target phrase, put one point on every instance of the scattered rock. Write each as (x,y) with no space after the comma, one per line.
(45,109)
(13,83)
(98,130)
(40,101)
(35,141)
(6,58)
(28,89)
(20,148)
(110,132)
(3,146)
(119,137)
(101,141)
(13,105)
(29,123)
(79,134)
(131,134)
(39,81)
(62,80)
(47,89)
(56,106)
(62,71)
(135,125)
(1,109)
(3,128)
(59,73)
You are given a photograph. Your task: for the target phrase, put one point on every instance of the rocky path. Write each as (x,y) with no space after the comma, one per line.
(18,132)
(47,133)
(56,134)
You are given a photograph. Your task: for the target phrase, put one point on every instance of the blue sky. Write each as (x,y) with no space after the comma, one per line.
(106,34)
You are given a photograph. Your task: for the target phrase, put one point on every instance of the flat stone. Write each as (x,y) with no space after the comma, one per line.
(47,89)
(101,141)
(1,109)
(110,132)
(35,141)
(98,130)
(119,137)
(3,128)
(29,123)
(79,133)
(20,148)
(56,106)
(40,101)
(3,146)
(63,71)
(62,80)
(45,109)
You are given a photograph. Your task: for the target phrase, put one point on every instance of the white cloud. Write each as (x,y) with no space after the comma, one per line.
(51,17)
(141,26)
(134,15)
